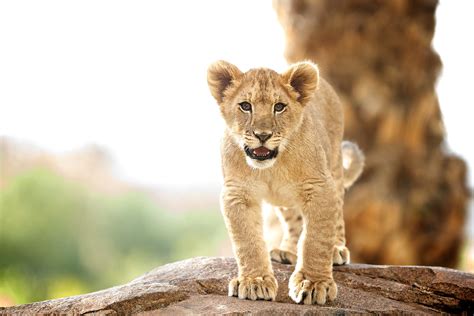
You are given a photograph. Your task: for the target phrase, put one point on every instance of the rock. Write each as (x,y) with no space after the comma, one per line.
(410,204)
(199,286)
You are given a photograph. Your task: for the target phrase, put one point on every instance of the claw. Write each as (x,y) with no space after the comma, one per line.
(259,288)
(309,292)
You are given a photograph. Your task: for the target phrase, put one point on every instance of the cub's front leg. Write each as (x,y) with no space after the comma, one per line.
(243,218)
(312,281)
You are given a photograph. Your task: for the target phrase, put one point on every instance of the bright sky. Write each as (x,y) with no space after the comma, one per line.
(131,76)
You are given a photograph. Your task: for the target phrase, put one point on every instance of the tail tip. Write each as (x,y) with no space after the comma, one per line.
(353,162)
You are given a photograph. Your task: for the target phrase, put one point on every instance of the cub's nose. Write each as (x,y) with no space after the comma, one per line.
(262,136)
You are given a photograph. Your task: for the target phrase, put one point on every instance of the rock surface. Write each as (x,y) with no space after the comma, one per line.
(199,286)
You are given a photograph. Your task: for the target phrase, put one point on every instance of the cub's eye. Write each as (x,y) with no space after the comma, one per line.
(245,106)
(279,107)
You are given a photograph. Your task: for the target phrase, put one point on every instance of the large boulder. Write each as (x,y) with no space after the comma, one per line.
(199,286)
(410,204)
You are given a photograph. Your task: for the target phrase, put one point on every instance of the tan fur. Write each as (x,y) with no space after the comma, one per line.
(305,182)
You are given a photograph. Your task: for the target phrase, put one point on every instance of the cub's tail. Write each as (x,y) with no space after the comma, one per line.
(352,161)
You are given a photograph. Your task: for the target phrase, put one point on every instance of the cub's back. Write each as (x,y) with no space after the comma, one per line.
(326,109)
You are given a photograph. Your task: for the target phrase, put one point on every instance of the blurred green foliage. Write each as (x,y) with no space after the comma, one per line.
(59,239)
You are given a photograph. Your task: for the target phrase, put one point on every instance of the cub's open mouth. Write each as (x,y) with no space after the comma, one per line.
(261,153)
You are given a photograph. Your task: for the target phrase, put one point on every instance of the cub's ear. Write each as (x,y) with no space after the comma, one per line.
(303,77)
(220,76)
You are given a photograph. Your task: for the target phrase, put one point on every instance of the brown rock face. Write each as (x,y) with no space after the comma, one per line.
(410,204)
(199,286)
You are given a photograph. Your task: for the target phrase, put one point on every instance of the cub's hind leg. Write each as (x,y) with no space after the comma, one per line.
(341,253)
(292,224)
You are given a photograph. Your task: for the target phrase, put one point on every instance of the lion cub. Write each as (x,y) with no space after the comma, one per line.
(283,145)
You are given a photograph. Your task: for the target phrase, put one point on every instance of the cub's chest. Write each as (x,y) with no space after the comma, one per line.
(279,193)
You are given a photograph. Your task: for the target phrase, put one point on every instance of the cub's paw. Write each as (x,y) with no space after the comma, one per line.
(259,288)
(283,256)
(309,292)
(341,255)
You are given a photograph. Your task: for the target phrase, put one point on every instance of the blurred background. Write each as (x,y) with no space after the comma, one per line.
(109,138)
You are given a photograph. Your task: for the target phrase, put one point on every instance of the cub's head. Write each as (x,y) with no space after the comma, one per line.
(262,108)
